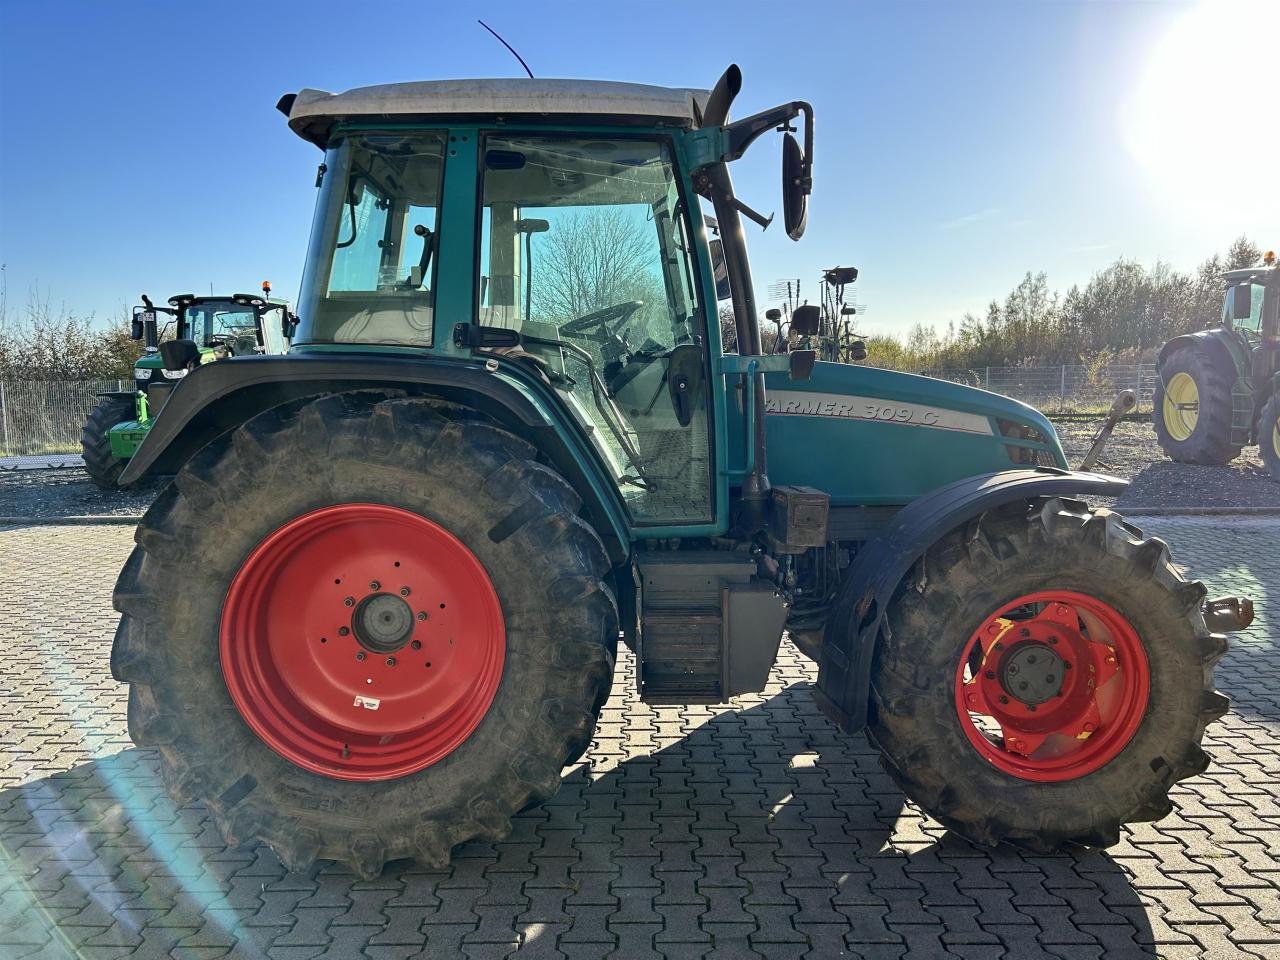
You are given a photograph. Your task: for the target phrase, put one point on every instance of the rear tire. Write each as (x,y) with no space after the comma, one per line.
(1077,788)
(104,467)
(437,465)
(1190,435)
(1269,436)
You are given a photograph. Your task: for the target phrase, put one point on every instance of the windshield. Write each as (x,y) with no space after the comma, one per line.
(369,276)
(585,249)
(224,320)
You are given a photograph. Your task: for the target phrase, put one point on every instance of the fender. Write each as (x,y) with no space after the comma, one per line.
(844,669)
(1226,347)
(217,397)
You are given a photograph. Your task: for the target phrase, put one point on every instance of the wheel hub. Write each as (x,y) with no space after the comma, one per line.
(383,623)
(1032,673)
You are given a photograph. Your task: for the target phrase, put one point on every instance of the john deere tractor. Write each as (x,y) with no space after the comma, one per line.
(506,434)
(1218,390)
(228,326)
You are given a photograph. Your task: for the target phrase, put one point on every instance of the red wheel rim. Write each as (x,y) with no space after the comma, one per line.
(320,660)
(1052,686)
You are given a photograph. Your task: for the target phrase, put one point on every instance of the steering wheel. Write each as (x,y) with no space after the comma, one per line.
(604,325)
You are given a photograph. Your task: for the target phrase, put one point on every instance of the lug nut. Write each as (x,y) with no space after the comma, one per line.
(990,674)
(343,631)
(1053,639)
(360,655)
(422,614)
(417,644)
(999,645)
(1004,699)
(391,661)
(1066,664)
(350,601)
(1031,707)
(404,591)
(374,585)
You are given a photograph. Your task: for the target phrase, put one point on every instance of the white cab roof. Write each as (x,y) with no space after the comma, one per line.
(313,112)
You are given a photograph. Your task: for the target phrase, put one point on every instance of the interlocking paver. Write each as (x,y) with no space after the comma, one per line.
(751,830)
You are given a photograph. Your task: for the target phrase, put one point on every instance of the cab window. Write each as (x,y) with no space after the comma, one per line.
(585,248)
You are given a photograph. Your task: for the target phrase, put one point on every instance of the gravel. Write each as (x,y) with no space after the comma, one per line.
(67,492)
(1132,453)
(1155,481)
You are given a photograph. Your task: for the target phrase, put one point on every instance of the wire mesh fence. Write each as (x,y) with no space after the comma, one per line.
(1061,389)
(40,421)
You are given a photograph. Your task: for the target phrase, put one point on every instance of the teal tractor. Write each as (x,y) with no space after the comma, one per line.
(506,436)
(240,324)
(1218,390)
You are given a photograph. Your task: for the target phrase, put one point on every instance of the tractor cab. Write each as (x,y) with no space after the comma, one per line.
(1251,306)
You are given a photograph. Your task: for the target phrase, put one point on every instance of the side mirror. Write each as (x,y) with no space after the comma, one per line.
(719,269)
(806,320)
(773,314)
(180,355)
(135,328)
(802,362)
(795,188)
(858,351)
(288,324)
(684,381)
(1242,301)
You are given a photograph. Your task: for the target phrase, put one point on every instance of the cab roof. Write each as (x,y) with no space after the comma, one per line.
(312,113)
(1256,274)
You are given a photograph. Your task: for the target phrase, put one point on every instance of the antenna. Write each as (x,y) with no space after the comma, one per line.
(508,46)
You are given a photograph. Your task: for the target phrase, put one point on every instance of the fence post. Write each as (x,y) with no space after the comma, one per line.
(4,419)
(987,383)
(1062,393)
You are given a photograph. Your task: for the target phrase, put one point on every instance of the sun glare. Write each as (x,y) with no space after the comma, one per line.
(1202,119)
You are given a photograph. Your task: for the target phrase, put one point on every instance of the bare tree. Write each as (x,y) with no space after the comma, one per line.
(591,260)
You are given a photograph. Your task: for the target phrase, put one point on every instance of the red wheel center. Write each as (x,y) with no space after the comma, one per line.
(1053,686)
(362,642)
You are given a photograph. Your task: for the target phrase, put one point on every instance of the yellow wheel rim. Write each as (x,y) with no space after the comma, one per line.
(1182,406)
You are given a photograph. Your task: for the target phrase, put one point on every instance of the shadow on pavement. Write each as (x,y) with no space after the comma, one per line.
(762,829)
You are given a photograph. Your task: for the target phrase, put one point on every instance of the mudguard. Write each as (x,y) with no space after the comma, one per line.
(844,674)
(1219,343)
(217,397)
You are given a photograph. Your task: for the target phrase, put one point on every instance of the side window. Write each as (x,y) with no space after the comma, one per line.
(370,276)
(586,249)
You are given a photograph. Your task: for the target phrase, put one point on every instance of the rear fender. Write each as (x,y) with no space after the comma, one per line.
(1222,345)
(848,648)
(217,397)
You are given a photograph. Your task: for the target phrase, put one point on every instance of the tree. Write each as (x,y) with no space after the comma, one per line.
(591,260)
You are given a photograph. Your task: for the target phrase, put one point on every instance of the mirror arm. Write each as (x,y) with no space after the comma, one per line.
(742,133)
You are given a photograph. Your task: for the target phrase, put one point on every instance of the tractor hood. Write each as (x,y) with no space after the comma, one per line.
(871,436)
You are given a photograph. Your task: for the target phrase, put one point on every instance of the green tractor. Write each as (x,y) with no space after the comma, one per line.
(1218,390)
(506,435)
(241,324)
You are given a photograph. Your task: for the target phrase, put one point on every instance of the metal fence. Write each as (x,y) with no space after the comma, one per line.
(1062,389)
(40,421)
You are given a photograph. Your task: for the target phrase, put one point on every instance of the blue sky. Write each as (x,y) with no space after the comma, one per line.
(958,144)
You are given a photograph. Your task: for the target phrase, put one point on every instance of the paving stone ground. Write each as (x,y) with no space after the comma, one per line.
(752,830)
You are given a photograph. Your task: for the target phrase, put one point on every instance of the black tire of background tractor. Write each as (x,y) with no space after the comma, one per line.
(1210,442)
(481,483)
(103,467)
(1268,426)
(964,578)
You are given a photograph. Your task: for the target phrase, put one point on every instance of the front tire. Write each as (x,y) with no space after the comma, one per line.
(309,710)
(104,467)
(1192,409)
(979,721)
(1269,436)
